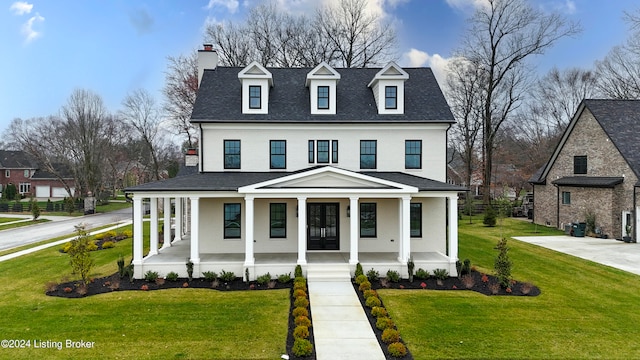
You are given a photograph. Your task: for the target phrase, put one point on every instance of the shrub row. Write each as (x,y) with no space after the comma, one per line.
(300,313)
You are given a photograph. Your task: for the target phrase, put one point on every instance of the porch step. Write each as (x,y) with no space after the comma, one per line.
(328,272)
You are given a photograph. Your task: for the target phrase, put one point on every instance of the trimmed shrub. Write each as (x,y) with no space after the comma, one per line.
(127,233)
(120,263)
(373,301)
(440,274)
(466,267)
(299,286)
(172,276)
(301,302)
(502,265)
(373,275)
(300,311)
(393,276)
(66,247)
(99,236)
(284,278)
(361,278)
(358,271)
(209,275)
(298,271)
(263,279)
(301,332)
(227,276)
(151,276)
(369,293)
(300,280)
(378,311)
(422,274)
(384,323)
(108,245)
(299,293)
(365,286)
(397,349)
(390,336)
(302,321)
(302,347)
(489,217)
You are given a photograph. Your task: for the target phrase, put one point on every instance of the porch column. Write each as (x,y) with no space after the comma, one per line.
(153,247)
(302,230)
(353,229)
(178,220)
(405,229)
(138,235)
(453,229)
(249,260)
(167,223)
(195,234)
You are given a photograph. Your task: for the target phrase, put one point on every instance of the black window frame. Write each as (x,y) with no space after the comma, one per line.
(229,155)
(415,216)
(370,208)
(279,209)
(324,152)
(237,220)
(566,198)
(323,97)
(412,155)
(580,164)
(334,151)
(280,153)
(390,97)
(253,96)
(312,151)
(368,153)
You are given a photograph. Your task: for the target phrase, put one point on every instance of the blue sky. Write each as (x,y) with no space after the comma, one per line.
(50,48)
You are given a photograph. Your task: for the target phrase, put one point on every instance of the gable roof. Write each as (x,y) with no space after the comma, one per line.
(620,120)
(16,160)
(219,98)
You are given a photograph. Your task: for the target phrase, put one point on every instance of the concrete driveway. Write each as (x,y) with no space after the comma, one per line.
(614,253)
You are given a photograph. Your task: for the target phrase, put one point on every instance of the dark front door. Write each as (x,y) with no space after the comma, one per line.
(323,226)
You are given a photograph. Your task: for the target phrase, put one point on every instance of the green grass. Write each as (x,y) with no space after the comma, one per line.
(9,219)
(165,324)
(22,224)
(585,310)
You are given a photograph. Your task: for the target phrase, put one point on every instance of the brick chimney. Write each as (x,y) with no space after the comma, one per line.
(191,157)
(207,59)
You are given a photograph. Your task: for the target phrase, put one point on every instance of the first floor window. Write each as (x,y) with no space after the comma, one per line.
(415,219)
(25,188)
(368,221)
(278,154)
(413,154)
(368,154)
(323,151)
(232,221)
(255,101)
(278,220)
(232,154)
(566,198)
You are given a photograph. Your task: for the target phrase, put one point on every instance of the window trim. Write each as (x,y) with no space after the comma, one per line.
(566,198)
(407,154)
(578,164)
(334,151)
(328,152)
(327,97)
(27,188)
(239,154)
(224,221)
(394,97)
(271,209)
(259,97)
(375,219)
(375,153)
(271,154)
(412,207)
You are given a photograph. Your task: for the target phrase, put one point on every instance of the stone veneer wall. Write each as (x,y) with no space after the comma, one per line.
(603,159)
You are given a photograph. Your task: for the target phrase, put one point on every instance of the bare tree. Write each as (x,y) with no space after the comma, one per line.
(180,88)
(501,37)
(140,114)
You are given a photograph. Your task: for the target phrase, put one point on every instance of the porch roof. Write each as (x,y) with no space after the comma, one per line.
(589,181)
(232,181)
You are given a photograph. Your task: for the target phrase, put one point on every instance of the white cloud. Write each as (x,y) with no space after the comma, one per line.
(570,5)
(418,58)
(28,28)
(231,5)
(466,5)
(21,7)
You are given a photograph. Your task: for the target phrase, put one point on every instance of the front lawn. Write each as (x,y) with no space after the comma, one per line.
(585,310)
(178,323)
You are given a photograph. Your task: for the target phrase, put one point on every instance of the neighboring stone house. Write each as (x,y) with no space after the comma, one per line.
(319,167)
(594,169)
(19,169)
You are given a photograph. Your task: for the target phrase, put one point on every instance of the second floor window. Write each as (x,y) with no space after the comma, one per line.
(390,97)
(7,173)
(368,154)
(413,154)
(580,164)
(323,151)
(255,99)
(334,151)
(278,154)
(232,154)
(312,156)
(323,97)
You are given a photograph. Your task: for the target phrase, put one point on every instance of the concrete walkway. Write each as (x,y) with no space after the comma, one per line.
(341,329)
(610,252)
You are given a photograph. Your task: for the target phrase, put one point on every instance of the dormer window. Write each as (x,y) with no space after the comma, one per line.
(388,89)
(255,97)
(390,97)
(323,97)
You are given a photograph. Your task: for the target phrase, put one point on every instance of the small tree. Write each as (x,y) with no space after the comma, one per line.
(10,192)
(489,216)
(81,261)
(35,209)
(503,264)
(69,204)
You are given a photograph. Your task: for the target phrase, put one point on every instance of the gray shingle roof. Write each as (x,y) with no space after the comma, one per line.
(16,160)
(220,98)
(231,181)
(589,181)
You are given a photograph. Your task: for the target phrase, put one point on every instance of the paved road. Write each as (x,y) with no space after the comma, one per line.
(44,231)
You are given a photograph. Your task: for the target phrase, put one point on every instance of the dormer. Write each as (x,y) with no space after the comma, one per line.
(388,89)
(256,81)
(322,82)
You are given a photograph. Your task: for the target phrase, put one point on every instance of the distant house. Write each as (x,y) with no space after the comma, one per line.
(19,169)
(319,166)
(594,169)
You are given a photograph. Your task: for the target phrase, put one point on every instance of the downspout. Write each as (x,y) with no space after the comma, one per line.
(633,211)
(201,146)
(130,200)
(557,206)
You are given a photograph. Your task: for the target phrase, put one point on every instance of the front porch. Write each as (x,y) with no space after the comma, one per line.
(175,257)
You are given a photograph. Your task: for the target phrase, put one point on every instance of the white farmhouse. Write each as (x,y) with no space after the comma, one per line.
(321,167)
